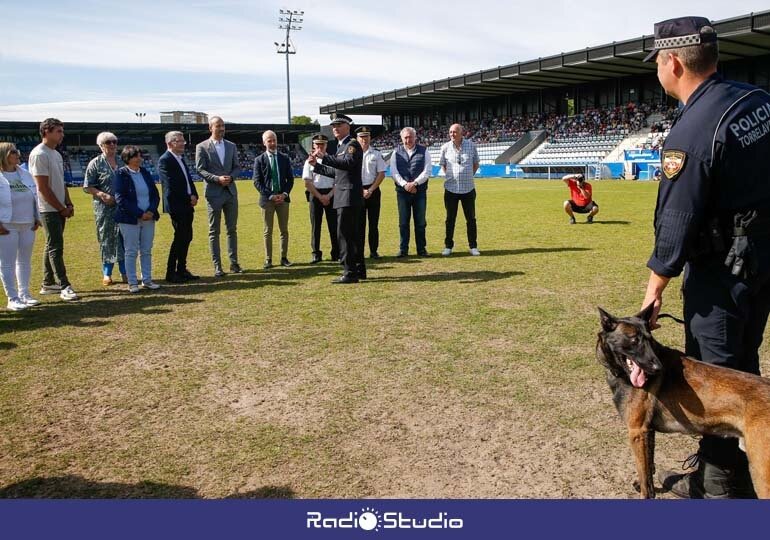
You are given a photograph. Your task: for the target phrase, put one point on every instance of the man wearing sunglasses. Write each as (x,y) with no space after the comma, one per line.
(459,159)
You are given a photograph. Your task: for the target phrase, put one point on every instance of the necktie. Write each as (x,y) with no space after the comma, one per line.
(274,173)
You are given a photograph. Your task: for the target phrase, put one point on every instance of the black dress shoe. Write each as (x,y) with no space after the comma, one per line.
(345,279)
(236,269)
(174,278)
(374,255)
(188,276)
(285,262)
(268,264)
(316,259)
(401,254)
(361,271)
(219,273)
(423,253)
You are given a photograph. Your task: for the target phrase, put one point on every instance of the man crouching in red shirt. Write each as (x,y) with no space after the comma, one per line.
(581,200)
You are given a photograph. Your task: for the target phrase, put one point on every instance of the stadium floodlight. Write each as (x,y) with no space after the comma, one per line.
(141,116)
(289,20)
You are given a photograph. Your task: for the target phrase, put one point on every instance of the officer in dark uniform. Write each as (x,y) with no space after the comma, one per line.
(712,220)
(343,161)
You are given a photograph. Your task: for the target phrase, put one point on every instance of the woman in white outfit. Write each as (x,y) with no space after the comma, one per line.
(19,219)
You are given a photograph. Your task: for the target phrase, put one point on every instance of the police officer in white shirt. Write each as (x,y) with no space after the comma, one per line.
(319,191)
(372,175)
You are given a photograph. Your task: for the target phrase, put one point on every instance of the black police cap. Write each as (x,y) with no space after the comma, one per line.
(320,138)
(338,118)
(364,131)
(681,32)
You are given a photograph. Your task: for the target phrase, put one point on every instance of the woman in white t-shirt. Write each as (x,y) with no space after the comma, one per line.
(19,219)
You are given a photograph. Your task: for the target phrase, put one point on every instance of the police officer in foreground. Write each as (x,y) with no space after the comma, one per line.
(712,220)
(343,162)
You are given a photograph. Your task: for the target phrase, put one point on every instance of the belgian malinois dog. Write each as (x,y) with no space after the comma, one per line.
(656,388)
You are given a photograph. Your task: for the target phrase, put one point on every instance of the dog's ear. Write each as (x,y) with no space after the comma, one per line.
(608,321)
(646,313)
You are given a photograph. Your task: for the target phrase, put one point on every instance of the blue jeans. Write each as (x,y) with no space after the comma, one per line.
(412,204)
(137,239)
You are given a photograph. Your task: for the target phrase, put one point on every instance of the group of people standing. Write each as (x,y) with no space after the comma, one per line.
(342,177)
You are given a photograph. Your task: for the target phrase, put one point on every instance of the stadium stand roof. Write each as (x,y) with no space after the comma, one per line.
(739,37)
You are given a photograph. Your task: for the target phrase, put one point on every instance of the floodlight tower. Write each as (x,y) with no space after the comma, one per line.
(289,19)
(140,116)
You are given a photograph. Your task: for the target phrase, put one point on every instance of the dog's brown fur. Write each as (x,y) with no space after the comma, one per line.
(681,395)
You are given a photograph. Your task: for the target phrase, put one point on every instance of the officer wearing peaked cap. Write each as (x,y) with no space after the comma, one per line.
(712,221)
(372,175)
(319,190)
(343,162)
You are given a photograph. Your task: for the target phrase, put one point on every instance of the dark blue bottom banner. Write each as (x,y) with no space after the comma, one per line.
(454,519)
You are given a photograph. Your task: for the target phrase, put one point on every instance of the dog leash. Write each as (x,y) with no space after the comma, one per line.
(669,316)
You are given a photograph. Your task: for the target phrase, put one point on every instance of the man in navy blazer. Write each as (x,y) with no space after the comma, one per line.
(274,179)
(179,200)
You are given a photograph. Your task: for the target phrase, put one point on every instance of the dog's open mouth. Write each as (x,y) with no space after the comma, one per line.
(638,376)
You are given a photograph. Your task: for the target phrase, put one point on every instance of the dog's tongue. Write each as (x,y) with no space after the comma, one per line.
(638,376)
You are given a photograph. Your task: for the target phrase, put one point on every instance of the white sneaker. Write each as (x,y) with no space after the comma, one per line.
(446,251)
(27,299)
(475,252)
(67,294)
(133,288)
(151,285)
(15,304)
(50,289)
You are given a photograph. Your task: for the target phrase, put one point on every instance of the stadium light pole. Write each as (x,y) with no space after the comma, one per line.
(141,116)
(289,19)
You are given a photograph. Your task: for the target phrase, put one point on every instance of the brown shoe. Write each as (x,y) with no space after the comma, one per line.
(107,281)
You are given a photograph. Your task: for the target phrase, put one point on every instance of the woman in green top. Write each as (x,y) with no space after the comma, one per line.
(98,184)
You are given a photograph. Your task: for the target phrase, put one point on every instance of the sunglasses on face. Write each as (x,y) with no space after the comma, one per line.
(14,152)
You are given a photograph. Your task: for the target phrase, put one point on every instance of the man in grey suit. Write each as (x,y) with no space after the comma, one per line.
(216,160)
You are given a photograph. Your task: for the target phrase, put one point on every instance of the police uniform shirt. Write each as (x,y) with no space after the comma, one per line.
(319,181)
(715,162)
(373,165)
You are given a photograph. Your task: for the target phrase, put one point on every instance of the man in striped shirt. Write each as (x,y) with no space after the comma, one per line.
(459,160)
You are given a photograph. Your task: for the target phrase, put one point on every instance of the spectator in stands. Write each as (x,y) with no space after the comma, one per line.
(372,175)
(179,200)
(459,160)
(19,219)
(98,183)
(581,198)
(274,179)
(137,201)
(411,168)
(319,191)
(216,160)
(55,205)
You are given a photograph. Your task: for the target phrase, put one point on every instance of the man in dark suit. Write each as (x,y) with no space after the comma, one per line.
(179,200)
(274,179)
(343,161)
(216,160)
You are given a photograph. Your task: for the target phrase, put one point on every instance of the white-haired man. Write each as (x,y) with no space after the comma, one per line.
(411,168)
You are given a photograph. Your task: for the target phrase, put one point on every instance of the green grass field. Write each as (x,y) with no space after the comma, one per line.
(438,377)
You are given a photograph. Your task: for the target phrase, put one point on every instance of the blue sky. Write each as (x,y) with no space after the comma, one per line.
(98,61)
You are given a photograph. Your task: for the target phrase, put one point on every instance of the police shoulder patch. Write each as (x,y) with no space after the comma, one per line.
(351,149)
(673,163)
